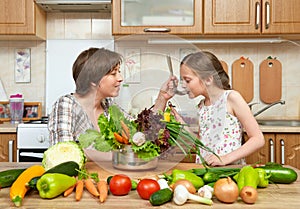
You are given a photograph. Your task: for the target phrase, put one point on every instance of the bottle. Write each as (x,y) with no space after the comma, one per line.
(16,103)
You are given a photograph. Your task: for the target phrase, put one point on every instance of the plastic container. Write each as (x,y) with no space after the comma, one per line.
(16,103)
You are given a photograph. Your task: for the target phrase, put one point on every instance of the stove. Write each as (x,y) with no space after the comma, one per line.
(32,140)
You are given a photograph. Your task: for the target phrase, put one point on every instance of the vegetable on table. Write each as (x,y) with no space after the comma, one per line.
(146,187)
(226,190)
(51,185)
(249,194)
(19,188)
(69,190)
(177,174)
(186,183)
(63,152)
(8,177)
(181,195)
(263,178)
(79,189)
(206,191)
(161,197)
(103,190)
(90,186)
(279,174)
(120,184)
(248,176)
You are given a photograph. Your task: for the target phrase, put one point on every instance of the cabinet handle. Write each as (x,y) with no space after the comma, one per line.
(271,150)
(267,4)
(282,151)
(157,30)
(10,150)
(257,16)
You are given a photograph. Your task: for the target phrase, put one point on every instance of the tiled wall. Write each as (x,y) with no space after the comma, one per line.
(98,26)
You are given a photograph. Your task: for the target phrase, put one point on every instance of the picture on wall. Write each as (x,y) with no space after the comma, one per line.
(132,67)
(22,66)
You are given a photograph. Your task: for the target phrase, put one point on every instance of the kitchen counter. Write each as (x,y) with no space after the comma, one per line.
(275,196)
(6,127)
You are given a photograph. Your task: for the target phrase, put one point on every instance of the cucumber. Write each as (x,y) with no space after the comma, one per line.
(69,168)
(8,177)
(280,174)
(161,197)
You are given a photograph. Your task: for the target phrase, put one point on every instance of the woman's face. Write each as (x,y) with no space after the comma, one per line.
(109,85)
(191,82)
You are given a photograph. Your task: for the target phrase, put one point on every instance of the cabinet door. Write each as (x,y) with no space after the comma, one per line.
(288,149)
(148,17)
(265,154)
(281,16)
(8,147)
(232,16)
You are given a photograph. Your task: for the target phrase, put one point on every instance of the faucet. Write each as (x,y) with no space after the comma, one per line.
(268,106)
(252,104)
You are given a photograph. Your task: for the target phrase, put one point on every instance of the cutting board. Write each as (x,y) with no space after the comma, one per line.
(270,81)
(242,78)
(224,65)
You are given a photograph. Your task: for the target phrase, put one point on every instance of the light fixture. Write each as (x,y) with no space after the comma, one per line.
(216,41)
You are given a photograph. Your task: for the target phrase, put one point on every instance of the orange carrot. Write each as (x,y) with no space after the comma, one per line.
(124,137)
(79,189)
(126,129)
(103,190)
(90,186)
(118,137)
(69,191)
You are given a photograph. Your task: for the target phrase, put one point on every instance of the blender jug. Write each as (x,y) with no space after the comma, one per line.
(16,103)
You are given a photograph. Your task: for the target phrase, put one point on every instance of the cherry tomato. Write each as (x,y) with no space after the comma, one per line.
(120,184)
(146,187)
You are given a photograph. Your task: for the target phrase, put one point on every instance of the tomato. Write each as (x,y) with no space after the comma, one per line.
(146,187)
(120,184)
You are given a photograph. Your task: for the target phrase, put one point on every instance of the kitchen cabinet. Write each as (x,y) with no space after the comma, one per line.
(180,17)
(281,148)
(8,147)
(22,20)
(251,17)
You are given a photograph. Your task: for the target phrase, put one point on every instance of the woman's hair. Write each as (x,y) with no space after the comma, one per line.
(91,66)
(206,64)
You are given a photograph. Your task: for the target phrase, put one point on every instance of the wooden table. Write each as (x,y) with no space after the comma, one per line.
(275,196)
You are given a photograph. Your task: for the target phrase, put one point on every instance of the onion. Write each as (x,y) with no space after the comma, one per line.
(226,190)
(186,183)
(248,194)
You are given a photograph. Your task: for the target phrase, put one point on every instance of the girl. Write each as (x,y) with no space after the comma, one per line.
(223,113)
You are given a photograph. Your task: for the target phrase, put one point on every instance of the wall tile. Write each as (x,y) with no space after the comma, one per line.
(78,26)
(55,25)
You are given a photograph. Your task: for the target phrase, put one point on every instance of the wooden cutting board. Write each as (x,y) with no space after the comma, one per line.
(242,78)
(224,65)
(270,81)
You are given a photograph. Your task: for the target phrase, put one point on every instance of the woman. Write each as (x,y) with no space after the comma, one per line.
(223,113)
(97,76)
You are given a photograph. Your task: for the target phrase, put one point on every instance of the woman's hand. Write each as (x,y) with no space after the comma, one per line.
(213,160)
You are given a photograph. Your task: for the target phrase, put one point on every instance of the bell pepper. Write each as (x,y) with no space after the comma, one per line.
(51,185)
(263,177)
(248,176)
(177,174)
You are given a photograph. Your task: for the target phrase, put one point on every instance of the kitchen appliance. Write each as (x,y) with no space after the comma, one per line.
(75,5)
(32,140)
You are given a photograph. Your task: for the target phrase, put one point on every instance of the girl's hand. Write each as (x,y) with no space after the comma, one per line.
(177,115)
(167,89)
(213,160)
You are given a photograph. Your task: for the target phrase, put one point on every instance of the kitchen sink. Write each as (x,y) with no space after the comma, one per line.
(289,123)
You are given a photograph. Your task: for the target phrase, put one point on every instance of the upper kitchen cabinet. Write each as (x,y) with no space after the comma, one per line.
(251,17)
(22,20)
(180,17)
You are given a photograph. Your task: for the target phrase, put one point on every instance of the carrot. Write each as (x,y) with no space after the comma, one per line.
(126,129)
(103,190)
(118,137)
(69,191)
(125,138)
(79,189)
(90,186)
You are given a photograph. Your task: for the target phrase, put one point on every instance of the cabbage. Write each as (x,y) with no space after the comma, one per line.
(63,152)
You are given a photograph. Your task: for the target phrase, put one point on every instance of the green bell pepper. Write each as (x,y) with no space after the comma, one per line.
(263,177)
(51,185)
(197,181)
(248,176)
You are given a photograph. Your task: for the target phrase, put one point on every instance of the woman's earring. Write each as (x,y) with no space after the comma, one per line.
(93,84)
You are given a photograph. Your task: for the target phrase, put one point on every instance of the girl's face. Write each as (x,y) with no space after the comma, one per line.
(191,82)
(109,85)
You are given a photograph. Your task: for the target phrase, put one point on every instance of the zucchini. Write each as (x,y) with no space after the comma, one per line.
(280,174)
(8,177)
(69,168)
(161,197)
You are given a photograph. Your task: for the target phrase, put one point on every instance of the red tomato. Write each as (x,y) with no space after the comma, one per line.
(146,187)
(120,184)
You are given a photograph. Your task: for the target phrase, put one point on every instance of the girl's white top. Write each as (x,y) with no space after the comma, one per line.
(219,130)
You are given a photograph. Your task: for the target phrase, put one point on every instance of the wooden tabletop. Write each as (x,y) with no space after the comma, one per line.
(275,196)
